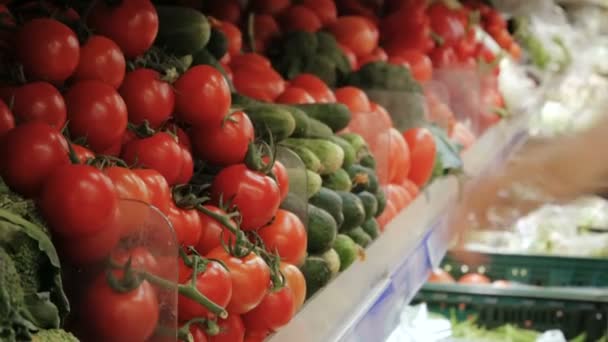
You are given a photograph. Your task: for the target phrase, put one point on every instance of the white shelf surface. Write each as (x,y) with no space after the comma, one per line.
(363,303)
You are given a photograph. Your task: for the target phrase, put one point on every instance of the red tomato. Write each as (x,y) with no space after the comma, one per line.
(102,60)
(212,231)
(265,28)
(503,38)
(287,236)
(422,154)
(132,24)
(381,114)
(494,18)
(83,153)
(269,6)
(295,95)
(377,55)
(446,23)
(260,83)
(419,64)
(89,202)
(387,215)
(202,96)
(350,55)
(181,135)
(29,154)
(231,330)
(397,195)
(7,121)
(39,101)
(198,334)
(275,310)
(148,98)
(250,60)
(158,188)
(443,56)
(324,9)
(128,184)
(354,98)
(256,195)
(441,276)
(160,152)
(48,50)
(315,87)
(356,32)
(187,225)
(474,278)
(280,174)
(90,249)
(224,143)
(234,36)
(467,46)
(187,168)
(250,279)
(300,18)
(294,279)
(97,113)
(227,10)
(256,336)
(399,157)
(214,283)
(141,258)
(120,316)
(411,188)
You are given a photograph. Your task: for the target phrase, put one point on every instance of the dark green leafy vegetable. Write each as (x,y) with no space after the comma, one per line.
(384,76)
(448,159)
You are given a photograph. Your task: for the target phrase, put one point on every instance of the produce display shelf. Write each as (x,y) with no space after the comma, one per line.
(363,303)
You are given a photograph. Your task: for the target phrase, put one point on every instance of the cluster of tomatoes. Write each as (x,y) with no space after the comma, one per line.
(88,127)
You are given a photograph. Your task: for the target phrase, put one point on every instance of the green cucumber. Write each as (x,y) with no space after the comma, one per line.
(353,210)
(370,203)
(313,183)
(329,201)
(218,43)
(363,178)
(310,160)
(381,197)
(372,228)
(307,127)
(297,205)
(368,161)
(322,230)
(358,143)
(317,273)
(349,151)
(333,261)
(330,154)
(181,30)
(360,237)
(239,100)
(347,250)
(335,115)
(270,119)
(338,181)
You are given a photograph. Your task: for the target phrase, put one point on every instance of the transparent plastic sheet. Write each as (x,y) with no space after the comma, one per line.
(145,236)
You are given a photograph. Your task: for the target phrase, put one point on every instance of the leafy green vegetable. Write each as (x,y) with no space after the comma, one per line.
(447,160)
(469,331)
(54,335)
(384,76)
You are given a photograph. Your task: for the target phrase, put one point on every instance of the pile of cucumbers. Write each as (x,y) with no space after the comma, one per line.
(344,195)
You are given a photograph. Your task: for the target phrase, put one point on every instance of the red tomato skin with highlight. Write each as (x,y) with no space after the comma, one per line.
(101,59)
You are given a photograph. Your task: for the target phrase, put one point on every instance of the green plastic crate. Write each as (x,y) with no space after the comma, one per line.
(573,311)
(532,270)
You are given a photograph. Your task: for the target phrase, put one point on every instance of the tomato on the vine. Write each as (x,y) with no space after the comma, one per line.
(198,334)
(287,236)
(315,87)
(419,64)
(212,231)
(202,96)
(295,95)
(446,23)
(89,202)
(39,101)
(273,312)
(101,59)
(300,18)
(231,330)
(422,154)
(132,24)
(158,188)
(181,135)
(256,336)
(214,283)
(29,154)
(48,49)
(120,316)
(148,98)
(256,195)
(250,59)
(258,82)
(443,56)
(354,98)
(356,32)
(280,174)
(140,257)
(324,9)
(187,225)
(90,249)
(187,169)
(160,152)
(250,279)
(97,113)
(128,184)
(224,143)
(7,121)
(294,279)
(234,36)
